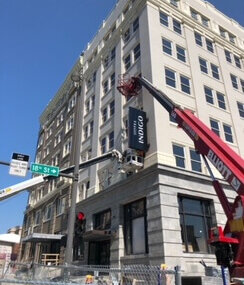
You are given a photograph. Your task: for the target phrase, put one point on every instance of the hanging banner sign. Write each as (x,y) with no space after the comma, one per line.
(137,125)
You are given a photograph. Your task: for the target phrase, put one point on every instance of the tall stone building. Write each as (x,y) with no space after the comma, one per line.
(158,211)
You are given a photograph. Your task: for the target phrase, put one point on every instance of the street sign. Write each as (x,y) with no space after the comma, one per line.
(45,169)
(19,164)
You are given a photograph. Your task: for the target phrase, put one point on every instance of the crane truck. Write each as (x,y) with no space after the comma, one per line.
(228,242)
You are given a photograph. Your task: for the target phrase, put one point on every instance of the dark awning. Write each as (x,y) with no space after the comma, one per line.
(97,235)
(40,237)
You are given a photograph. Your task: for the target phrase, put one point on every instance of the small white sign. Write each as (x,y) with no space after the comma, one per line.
(18,168)
(19,164)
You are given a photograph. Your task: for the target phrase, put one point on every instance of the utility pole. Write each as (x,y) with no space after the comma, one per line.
(77,80)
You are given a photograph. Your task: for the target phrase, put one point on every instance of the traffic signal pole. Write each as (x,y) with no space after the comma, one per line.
(76,147)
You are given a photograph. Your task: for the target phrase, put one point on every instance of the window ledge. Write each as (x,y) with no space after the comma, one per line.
(198,254)
(133,256)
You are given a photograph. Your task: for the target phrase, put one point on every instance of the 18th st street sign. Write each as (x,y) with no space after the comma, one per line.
(44,169)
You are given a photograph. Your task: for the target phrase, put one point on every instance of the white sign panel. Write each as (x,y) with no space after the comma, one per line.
(19,164)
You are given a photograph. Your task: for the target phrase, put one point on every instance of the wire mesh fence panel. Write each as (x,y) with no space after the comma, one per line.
(143,274)
(87,274)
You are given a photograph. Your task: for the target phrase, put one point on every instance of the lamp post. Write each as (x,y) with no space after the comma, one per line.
(77,80)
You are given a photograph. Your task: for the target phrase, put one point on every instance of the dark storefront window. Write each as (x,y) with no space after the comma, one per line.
(135,229)
(195,221)
(102,221)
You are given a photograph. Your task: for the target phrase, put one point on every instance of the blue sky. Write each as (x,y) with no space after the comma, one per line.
(40,42)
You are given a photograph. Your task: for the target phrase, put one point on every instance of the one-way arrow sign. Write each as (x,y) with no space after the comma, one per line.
(44,169)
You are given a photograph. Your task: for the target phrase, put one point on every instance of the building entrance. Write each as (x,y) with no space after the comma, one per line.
(99,253)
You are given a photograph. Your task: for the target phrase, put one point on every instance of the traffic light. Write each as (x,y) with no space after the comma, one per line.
(80,223)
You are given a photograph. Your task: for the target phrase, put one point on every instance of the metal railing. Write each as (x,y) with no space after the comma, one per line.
(50,258)
(19,273)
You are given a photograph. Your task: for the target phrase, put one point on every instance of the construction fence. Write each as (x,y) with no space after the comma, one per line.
(19,273)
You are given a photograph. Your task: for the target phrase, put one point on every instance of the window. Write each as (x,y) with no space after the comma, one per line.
(136,24)
(170,77)
(48,212)
(209,95)
(126,10)
(93,101)
(46,151)
(198,39)
(104,115)
(181,53)
(105,87)
(242,85)
(103,145)
(58,138)
(37,218)
(86,132)
(102,221)
(56,159)
(237,61)
(203,65)
(71,103)
(195,222)
(106,62)
(215,71)
(135,227)
(174,2)
(195,161)
(228,133)
(172,119)
(60,119)
(87,106)
(49,132)
(177,26)
(205,21)
(209,45)
(221,100)
(185,84)
(111,140)
(215,126)
(234,81)
(89,153)
(179,155)
(164,19)
(228,56)
(67,147)
(232,38)
(222,32)
(111,108)
(88,83)
(167,48)
(91,127)
(194,14)
(127,62)
(60,205)
(69,123)
(127,35)
(240,109)
(137,52)
(113,53)
(112,80)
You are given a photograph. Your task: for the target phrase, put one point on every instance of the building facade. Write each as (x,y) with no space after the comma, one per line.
(158,211)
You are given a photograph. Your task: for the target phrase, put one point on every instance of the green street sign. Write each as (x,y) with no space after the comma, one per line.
(45,169)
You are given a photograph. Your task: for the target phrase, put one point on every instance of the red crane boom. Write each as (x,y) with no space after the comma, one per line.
(229,243)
